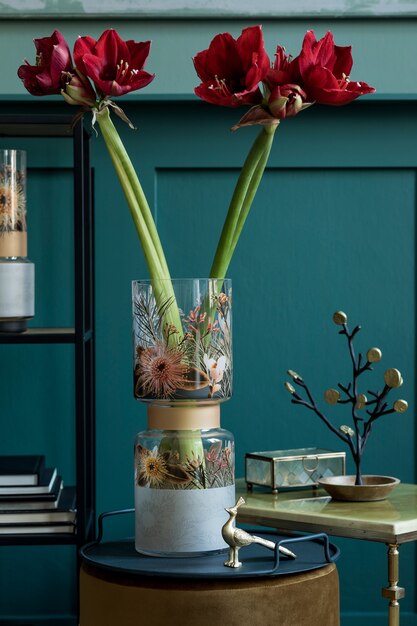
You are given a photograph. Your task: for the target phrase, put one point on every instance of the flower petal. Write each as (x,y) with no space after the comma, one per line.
(223,58)
(138,53)
(82,47)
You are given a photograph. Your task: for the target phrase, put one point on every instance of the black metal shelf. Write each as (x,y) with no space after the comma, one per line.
(38,125)
(46,335)
(39,539)
(40,335)
(82,334)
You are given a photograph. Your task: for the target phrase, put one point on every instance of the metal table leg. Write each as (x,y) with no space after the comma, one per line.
(393,592)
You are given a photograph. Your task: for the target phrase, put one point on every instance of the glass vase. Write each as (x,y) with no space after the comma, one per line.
(17,273)
(182,370)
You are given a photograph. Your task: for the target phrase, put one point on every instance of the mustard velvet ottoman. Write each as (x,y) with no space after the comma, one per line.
(302,599)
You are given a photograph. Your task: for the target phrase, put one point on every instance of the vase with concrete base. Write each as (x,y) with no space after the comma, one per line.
(184,461)
(17,273)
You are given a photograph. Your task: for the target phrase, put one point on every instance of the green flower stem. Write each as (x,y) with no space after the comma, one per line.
(143,220)
(245,190)
(252,189)
(191,449)
(243,195)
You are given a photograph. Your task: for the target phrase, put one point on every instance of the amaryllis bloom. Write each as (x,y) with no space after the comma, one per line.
(284,70)
(53,58)
(283,84)
(324,71)
(283,95)
(114,65)
(231,69)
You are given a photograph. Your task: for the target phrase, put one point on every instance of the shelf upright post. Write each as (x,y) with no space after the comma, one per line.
(84,339)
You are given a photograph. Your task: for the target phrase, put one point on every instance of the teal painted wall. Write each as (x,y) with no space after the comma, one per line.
(333,226)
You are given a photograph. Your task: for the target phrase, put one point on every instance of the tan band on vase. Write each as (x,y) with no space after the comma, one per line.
(13,243)
(183,417)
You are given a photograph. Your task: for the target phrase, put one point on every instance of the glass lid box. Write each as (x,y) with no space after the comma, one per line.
(301,467)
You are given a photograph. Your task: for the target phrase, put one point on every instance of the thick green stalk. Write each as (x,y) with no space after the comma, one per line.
(245,185)
(143,220)
(116,147)
(252,189)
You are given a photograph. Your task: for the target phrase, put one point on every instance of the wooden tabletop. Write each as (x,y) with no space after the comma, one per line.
(393,520)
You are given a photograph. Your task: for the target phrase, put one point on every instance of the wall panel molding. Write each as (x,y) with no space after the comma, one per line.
(207,9)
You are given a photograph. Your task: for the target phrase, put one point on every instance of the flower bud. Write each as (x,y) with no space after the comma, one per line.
(294,375)
(289,388)
(347,430)
(400,406)
(340,318)
(286,101)
(361,401)
(78,90)
(393,378)
(332,396)
(374,355)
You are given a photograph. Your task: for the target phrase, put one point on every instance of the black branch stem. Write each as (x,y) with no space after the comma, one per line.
(312,406)
(346,390)
(378,411)
(375,408)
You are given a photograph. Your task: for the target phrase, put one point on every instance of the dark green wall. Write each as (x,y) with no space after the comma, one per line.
(333,226)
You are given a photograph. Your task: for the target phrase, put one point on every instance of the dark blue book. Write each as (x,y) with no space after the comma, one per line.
(45,484)
(65,511)
(48,500)
(21,470)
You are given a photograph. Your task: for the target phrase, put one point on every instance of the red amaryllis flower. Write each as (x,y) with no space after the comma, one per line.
(114,65)
(283,82)
(285,70)
(324,71)
(52,59)
(231,69)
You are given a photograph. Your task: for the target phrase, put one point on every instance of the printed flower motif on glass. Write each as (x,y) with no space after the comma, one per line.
(192,362)
(167,465)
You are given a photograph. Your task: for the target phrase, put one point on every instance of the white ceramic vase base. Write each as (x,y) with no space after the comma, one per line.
(181,523)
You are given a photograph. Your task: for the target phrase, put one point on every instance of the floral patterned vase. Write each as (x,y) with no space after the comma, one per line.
(184,461)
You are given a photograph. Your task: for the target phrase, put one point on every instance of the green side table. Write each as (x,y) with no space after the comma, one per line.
(392,521)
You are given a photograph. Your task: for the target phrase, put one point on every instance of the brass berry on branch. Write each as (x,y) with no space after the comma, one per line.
(400,406)
(289,388)
(361,401)
(332,396)
(294,375)
(374,355)
(347,430)
(393,378)
(340,318)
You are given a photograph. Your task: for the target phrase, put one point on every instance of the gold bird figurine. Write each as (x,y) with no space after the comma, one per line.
(237,538)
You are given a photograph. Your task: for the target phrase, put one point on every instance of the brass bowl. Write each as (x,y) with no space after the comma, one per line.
(373,488)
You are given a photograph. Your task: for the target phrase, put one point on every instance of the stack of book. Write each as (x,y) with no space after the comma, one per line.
(33,498)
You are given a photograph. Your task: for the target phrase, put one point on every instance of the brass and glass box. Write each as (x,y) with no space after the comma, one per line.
(301,467)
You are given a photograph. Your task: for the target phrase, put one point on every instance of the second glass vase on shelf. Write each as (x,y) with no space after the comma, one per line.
(17,273)
(184,461)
